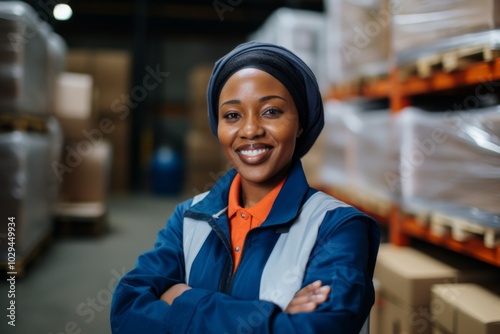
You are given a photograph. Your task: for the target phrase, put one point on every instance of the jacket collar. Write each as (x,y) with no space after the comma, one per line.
(285,208)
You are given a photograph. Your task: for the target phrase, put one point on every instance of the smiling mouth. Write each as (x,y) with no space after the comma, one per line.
(253,153)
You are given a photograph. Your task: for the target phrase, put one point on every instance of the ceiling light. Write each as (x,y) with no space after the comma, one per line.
(62,12)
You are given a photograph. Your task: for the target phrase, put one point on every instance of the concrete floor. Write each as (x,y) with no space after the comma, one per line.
(68,288)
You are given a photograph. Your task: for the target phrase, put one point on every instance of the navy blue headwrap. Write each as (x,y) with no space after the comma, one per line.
(286,67)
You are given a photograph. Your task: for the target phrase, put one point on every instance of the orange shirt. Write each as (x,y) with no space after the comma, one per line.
(242,220)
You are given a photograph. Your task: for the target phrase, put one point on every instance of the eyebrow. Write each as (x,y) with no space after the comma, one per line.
(262,99)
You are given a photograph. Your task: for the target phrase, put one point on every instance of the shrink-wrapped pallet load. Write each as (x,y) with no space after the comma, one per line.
(335,167)
(450,162)
(358,40)
(301,31)
(29,186)
(24,53)
(372,156)
(418,24)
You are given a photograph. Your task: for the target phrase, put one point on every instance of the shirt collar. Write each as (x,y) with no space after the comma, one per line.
(259,211)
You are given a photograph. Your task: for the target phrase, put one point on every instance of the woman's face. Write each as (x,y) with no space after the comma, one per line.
(258,125)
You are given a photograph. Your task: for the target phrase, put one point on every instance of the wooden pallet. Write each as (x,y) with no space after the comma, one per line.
(421,217)
(463,230)
(448,61)
(28,257)
(25,123)
(81,219)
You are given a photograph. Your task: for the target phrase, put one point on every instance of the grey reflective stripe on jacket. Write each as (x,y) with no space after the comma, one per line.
(284,270)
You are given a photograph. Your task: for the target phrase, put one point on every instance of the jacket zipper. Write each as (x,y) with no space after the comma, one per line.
(229,283)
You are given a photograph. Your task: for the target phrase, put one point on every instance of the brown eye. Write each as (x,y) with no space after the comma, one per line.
(231,115)
(273,112)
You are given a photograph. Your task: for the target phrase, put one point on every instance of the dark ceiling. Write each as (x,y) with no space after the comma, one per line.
(110,19)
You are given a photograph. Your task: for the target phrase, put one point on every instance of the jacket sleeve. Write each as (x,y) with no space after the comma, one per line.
(136,307)
(344,258)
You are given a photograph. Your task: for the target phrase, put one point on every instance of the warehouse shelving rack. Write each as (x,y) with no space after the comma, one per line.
(399,87)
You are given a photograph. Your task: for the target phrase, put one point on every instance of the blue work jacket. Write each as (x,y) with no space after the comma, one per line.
(307,236)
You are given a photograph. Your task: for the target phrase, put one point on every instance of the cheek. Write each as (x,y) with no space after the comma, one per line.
(225,135)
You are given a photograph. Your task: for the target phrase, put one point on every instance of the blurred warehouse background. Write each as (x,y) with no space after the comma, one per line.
(103,130)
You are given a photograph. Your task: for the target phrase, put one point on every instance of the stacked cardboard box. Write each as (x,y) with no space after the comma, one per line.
(464,309)
(85,164)
(406,276)
(205,161)
(111,101)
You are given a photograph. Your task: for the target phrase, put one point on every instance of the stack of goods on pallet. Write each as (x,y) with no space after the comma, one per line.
(84,168)
(423,29)
(371,159)
(302,32)
(359,41)
(31,58)
(112,99)
(93,105)
(361,155)
(205,161)
(450,163)
(334,170)
(407,276)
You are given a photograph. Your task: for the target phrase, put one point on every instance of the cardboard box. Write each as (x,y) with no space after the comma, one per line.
(407,275)
(90,165)
(117,135)
(397,318)
(465,309)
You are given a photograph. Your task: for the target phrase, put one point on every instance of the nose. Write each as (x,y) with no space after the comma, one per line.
(251,128)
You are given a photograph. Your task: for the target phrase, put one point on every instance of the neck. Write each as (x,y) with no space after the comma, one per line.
(252,193)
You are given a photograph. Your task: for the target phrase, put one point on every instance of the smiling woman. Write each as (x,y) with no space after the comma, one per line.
(262,251)
(258,127)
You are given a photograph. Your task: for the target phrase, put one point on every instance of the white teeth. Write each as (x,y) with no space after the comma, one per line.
(253,153)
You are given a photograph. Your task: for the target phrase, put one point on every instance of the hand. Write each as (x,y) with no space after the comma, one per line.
(173,292)
(308,298)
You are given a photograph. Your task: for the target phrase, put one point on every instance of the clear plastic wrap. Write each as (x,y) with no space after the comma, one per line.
(450,163)
(371,153)
(358,39)
(302,32)
(23,59)
(57,50)
(29,187)
(335,142)
(417,24)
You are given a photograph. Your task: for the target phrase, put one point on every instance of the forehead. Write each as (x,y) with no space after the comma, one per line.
(253,78)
